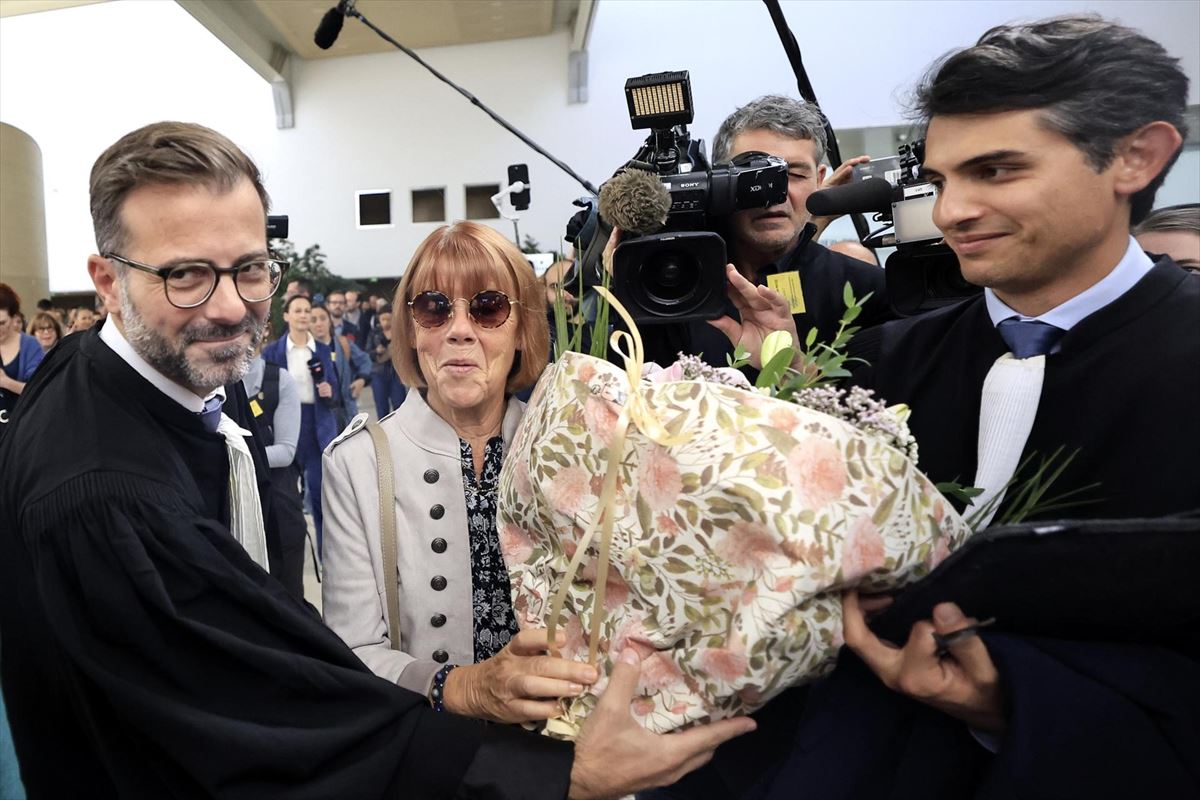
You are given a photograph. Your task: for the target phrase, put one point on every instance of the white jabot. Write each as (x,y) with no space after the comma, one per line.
(245,507)
(1012,389)
(298,356)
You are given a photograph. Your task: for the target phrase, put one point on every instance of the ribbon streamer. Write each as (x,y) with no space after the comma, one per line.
(635,410)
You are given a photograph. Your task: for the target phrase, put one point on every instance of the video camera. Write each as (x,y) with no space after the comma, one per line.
(923,273)
(670,267)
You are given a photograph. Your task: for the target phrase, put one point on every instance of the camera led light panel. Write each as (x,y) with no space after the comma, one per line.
(660,100)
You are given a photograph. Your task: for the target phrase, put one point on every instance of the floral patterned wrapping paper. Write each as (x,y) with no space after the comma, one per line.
(729,551)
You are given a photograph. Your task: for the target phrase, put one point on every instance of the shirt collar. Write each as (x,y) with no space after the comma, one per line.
(1132,267)
(112,336)
(311,344)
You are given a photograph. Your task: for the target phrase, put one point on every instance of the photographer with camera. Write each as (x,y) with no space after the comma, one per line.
(776,246)
(310,364)
(748,209)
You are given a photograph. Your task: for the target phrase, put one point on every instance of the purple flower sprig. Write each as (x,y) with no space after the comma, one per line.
(863,410)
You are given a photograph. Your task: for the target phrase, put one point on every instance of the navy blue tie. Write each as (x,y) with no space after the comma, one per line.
(1029,338)
(211,415)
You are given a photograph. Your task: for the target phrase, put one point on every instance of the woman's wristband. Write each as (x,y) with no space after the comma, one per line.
(437,690)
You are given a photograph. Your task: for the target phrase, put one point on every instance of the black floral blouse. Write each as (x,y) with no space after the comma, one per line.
(491,597)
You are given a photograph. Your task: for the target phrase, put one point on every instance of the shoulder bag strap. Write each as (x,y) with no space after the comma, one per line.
(387,529)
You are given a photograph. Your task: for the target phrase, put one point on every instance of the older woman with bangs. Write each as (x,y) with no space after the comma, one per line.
(469,331)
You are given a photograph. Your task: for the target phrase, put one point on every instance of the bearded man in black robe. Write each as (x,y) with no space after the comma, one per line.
(147,650)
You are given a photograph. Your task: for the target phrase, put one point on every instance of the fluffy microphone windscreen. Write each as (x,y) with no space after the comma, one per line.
(328,30)
(635,201)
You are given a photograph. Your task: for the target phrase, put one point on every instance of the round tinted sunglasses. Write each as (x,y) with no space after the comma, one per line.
(489,308)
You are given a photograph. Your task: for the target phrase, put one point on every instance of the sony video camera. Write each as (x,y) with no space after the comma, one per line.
(923,273)
(670,265)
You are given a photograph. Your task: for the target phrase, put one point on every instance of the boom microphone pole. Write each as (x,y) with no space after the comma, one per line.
(331,25)
(806,91)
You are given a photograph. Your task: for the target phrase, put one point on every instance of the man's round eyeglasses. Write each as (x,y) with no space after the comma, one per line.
(191,284)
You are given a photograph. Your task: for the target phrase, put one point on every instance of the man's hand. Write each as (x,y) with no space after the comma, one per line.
(518,684)
(554,292)
(610,247)
(615,756)
(963,684)
(356,387)
(839,177)
(763,311)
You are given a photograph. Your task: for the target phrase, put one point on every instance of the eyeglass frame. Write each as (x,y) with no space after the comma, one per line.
(164,272)
(454,301)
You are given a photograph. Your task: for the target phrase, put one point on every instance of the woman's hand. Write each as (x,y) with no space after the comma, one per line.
(518,684)
(325,390)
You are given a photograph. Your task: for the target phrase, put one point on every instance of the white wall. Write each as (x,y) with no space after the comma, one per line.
(76,82)
(77,79)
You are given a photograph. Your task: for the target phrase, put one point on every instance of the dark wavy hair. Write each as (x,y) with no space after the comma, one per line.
(1094,81)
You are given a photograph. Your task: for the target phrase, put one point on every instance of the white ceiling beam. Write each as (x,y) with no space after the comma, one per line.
(268,58)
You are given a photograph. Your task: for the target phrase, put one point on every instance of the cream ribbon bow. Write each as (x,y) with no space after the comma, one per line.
(636,410)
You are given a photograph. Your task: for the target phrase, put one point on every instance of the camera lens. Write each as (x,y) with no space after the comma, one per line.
(670,278)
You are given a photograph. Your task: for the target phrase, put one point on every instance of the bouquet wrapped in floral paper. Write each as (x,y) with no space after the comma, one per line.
(708,525)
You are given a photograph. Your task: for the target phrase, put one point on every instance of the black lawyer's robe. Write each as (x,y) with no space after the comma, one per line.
(145,655)
(1084,719)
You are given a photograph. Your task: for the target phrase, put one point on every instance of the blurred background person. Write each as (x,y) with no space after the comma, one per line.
(1173,231)
(856,249)
(20,353)
(386,386)
(310,364)
(352,318)
(470,330)
(46,329)
(301,287)
(82,319)
(335,304)
(353,366)
(275,404)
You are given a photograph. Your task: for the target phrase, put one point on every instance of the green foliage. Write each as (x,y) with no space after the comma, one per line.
(569,325)
(818,363)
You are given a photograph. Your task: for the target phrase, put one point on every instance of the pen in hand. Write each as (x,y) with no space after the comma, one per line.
(944,640)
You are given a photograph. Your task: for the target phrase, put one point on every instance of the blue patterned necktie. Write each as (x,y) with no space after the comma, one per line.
(211,415)
(1029,338)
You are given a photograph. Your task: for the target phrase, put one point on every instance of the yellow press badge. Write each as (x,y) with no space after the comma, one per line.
(255,408)
(788,285)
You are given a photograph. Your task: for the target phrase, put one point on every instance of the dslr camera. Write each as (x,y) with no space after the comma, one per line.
(670,265)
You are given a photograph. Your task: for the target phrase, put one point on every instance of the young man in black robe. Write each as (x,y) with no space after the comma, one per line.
(1044,141)
(147,651)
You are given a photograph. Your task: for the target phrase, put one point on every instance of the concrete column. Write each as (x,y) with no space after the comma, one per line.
(23,261)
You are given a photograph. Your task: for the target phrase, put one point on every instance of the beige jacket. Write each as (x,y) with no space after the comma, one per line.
(432,545)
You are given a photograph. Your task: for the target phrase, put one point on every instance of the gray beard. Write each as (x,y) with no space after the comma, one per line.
(229,364)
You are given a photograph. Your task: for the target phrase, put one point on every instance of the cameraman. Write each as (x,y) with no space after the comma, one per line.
(776,245)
